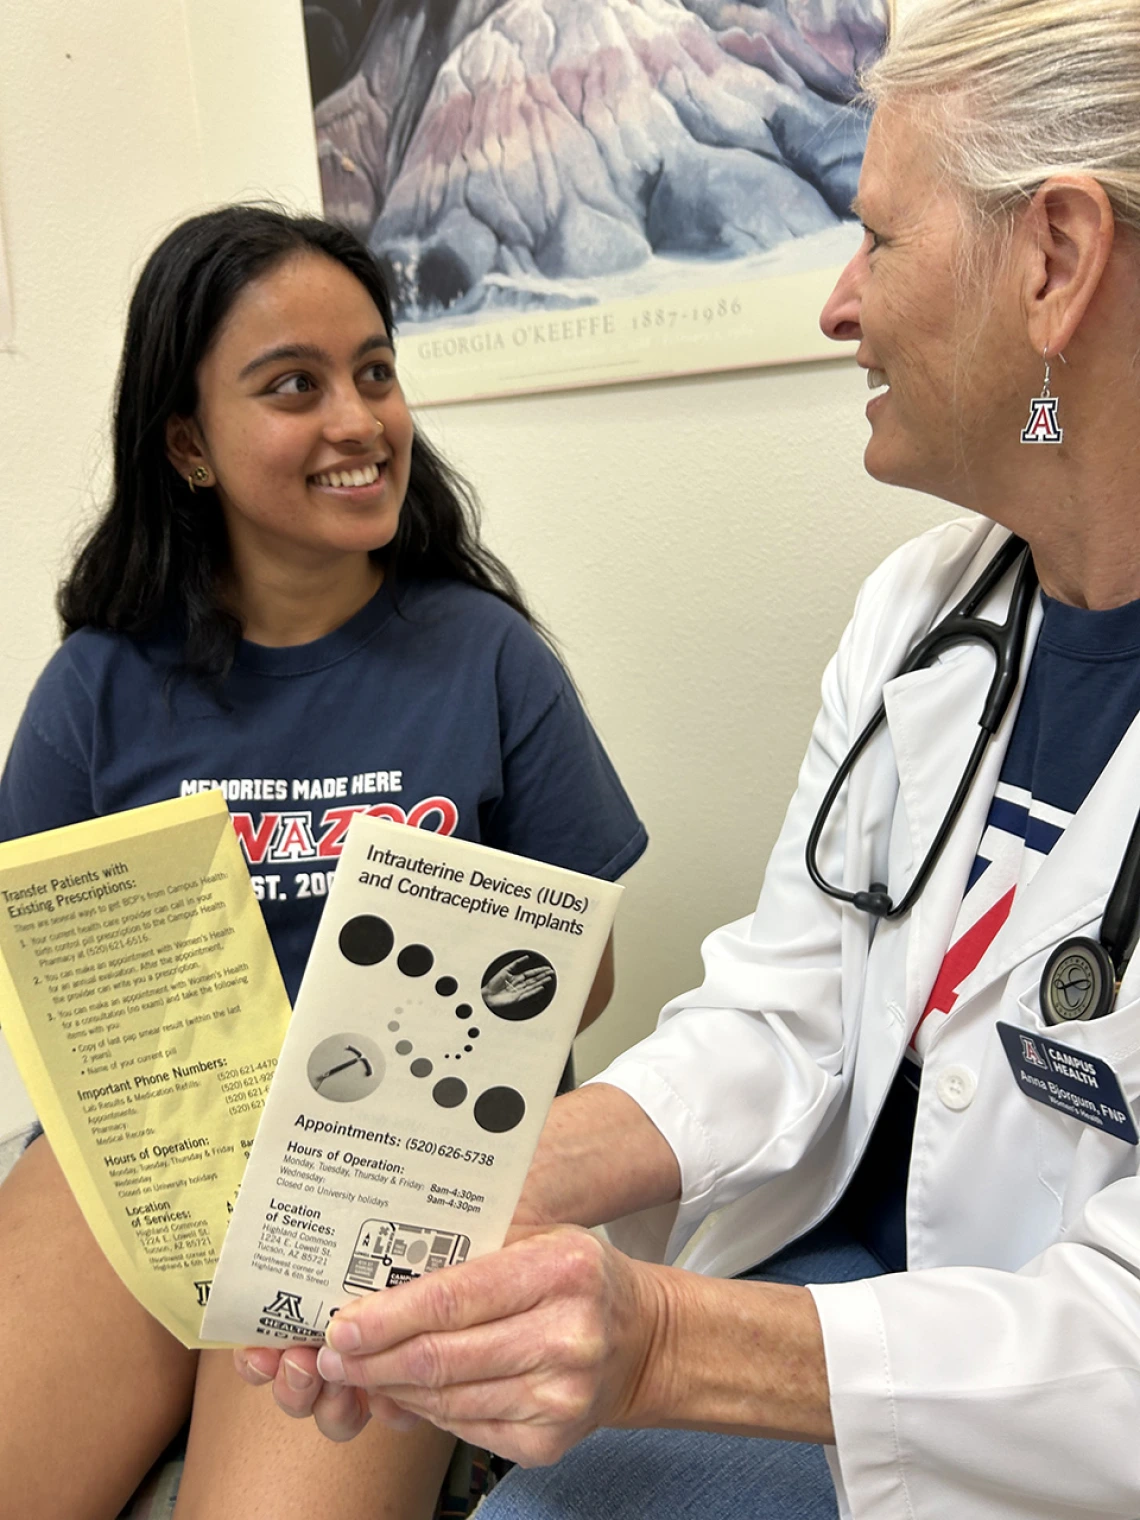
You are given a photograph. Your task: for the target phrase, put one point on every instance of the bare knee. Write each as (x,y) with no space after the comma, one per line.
(246,1458)
(103,1387)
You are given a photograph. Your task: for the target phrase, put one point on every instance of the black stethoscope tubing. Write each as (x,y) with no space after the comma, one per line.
(1082,976)
(959,626)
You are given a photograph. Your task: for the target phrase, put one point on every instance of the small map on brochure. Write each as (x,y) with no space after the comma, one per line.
(144,1008)
(437,1010)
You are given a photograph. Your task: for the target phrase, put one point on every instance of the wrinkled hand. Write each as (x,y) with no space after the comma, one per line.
(342,1412)
(300,1390)
(525,1351)
(510,985)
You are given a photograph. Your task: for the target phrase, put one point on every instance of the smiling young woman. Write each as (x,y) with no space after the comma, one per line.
(286,598)
(307,442)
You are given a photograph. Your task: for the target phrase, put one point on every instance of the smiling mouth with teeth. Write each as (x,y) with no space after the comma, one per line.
(365,475)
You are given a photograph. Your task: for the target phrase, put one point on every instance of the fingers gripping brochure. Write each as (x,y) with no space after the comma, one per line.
(439,1003)
(143,1005)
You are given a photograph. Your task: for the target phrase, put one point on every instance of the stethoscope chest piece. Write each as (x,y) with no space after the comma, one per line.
(1078,983)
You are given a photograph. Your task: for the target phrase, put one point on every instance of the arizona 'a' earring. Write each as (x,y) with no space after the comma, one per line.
(198,477)
(1043,426)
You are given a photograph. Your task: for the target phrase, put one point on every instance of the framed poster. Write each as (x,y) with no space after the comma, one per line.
(577,192)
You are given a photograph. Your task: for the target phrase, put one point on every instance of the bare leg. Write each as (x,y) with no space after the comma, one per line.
(248,1461)
(95,1387)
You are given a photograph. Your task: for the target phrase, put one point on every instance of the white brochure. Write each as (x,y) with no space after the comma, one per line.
(440,1000)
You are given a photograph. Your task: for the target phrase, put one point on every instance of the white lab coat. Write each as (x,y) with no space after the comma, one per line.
(1000,1376)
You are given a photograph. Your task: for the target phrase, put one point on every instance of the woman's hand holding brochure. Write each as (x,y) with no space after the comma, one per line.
(558,1327)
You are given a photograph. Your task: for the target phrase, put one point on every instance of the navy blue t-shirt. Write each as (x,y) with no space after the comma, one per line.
(1082,693)
(438,707)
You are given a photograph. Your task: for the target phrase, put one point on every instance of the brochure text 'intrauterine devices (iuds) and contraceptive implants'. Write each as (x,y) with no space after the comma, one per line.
(439,1004)
(143,1004)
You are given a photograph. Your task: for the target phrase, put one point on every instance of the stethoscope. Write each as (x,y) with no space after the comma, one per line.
(1082,976)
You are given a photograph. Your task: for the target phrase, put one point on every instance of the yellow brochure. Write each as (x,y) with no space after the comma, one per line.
(143,1004)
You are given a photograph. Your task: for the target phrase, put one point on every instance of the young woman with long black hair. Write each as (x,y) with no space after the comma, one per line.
(286,598)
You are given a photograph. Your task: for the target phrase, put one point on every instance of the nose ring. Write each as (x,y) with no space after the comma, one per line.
(379,424)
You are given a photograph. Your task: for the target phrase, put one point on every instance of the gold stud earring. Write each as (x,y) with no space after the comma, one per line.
(198,477)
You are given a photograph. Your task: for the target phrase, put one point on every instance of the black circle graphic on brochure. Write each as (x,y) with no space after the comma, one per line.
(464,1011)
(447,986)
(499,1109)
(415,960)
(519,985)
(345,1068)
(404,1047)
(450,1092)
(421,1067)
(366,940)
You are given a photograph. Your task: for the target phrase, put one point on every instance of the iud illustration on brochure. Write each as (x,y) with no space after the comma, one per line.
(439,1003)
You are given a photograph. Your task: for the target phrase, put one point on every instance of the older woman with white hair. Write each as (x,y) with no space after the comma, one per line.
(906,1086)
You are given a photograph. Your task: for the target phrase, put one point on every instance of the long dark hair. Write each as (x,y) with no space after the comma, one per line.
(158,553)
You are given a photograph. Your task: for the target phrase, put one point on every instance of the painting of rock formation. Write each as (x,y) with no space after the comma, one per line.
(529,156)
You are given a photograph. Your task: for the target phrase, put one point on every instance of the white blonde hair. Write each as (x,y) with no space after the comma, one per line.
(1016,91)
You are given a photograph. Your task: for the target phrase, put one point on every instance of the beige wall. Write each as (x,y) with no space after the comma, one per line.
(695,544)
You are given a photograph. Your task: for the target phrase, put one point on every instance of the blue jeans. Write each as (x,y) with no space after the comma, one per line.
(690,1475)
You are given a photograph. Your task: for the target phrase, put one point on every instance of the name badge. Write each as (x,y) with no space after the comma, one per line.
(1073,1082)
